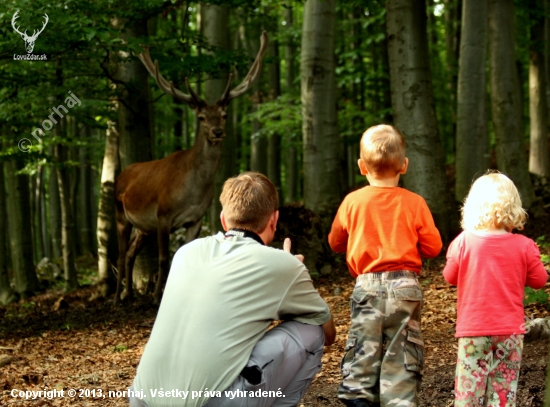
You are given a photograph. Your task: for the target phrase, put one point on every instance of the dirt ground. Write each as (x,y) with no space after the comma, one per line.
(57,342)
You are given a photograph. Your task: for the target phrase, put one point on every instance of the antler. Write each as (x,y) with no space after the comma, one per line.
(35,34)
(15,17)
(168,87)
(253,73)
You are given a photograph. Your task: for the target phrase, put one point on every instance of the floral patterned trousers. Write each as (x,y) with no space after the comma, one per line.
(487,371)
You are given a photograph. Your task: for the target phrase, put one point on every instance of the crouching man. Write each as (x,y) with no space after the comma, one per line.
(209,345)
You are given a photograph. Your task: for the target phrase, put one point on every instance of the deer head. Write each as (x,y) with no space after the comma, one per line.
(29,41)
(212,117)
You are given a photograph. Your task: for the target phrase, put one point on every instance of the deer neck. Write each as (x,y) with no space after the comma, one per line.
(206,154)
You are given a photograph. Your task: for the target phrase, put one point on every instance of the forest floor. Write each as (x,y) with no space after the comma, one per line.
(66,342)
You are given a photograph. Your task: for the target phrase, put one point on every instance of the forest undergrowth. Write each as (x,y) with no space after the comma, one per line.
(58,341)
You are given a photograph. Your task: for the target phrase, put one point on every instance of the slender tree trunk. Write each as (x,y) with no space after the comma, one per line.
(385,81)
(452,40)
(19,224)
(107,244)
(539,154)
(215,28)
(85,189)
(472,141)
(274,142)
(413,106)
(506,99)
(71,132)
(42,217)
(32,214)
(6,293)
(68,229)
(258,141)
(291,156)
(54,210)
(320,127)
(136,137)
(38,220)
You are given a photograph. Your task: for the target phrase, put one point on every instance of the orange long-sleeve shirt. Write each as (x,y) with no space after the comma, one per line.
(384,229)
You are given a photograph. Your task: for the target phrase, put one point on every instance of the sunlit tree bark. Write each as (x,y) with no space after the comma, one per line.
(107,245)
(321,143)
(472,141)
(413,106)
(506,99)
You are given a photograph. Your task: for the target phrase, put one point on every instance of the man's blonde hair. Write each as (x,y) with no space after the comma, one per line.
(383,149)
(493,202)
(248,200)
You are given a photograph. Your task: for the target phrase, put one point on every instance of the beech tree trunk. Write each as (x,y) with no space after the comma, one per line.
(136,139)
(6,293)
(321,159)
(215,28)
(19,224)
(258,141)
(506,99)
(539,154)
(291,157)
(472,141)
(54,210)
(107,243)
(274,142)
(42,238)
(68,229)
(85,187)
(413,106)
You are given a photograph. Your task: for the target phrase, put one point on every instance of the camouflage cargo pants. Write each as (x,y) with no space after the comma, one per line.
(384,352)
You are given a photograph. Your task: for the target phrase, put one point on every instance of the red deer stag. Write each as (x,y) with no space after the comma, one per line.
(163,195)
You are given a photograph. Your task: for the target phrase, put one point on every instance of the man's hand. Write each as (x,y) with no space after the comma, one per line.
(330,332)
(286,247)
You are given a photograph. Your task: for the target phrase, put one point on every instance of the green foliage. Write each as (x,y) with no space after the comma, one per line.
(279,116)
(120,348)
(535,296)
(542,243)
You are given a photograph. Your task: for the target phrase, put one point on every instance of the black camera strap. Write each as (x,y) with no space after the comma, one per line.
(244,233)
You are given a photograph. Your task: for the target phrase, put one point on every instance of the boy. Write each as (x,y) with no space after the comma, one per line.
(385,230)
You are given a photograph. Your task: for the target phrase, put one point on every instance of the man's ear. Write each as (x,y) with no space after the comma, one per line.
(405,166)
(273,220)
(362,167)
(276,217)
(224,223)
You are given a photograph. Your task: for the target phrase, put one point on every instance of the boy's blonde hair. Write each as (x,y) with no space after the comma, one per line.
(493,202)
(383,149)
(248,200)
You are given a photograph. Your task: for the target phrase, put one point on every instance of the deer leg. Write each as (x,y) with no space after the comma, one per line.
(136,244)
(124,230)
(164,257)
(193,231)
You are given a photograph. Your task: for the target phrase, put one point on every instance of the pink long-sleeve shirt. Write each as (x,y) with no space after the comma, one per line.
(491,271)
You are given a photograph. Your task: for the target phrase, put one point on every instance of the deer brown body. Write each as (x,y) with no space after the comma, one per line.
(160,196)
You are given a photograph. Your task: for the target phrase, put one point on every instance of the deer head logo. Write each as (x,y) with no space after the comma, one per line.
(29,41)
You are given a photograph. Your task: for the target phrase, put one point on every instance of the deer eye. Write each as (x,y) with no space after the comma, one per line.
(224,115)
(202,118)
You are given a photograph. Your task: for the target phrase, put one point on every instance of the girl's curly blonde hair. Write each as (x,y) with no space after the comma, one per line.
(493,202)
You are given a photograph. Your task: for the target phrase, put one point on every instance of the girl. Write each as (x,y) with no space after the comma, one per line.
(491,266)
